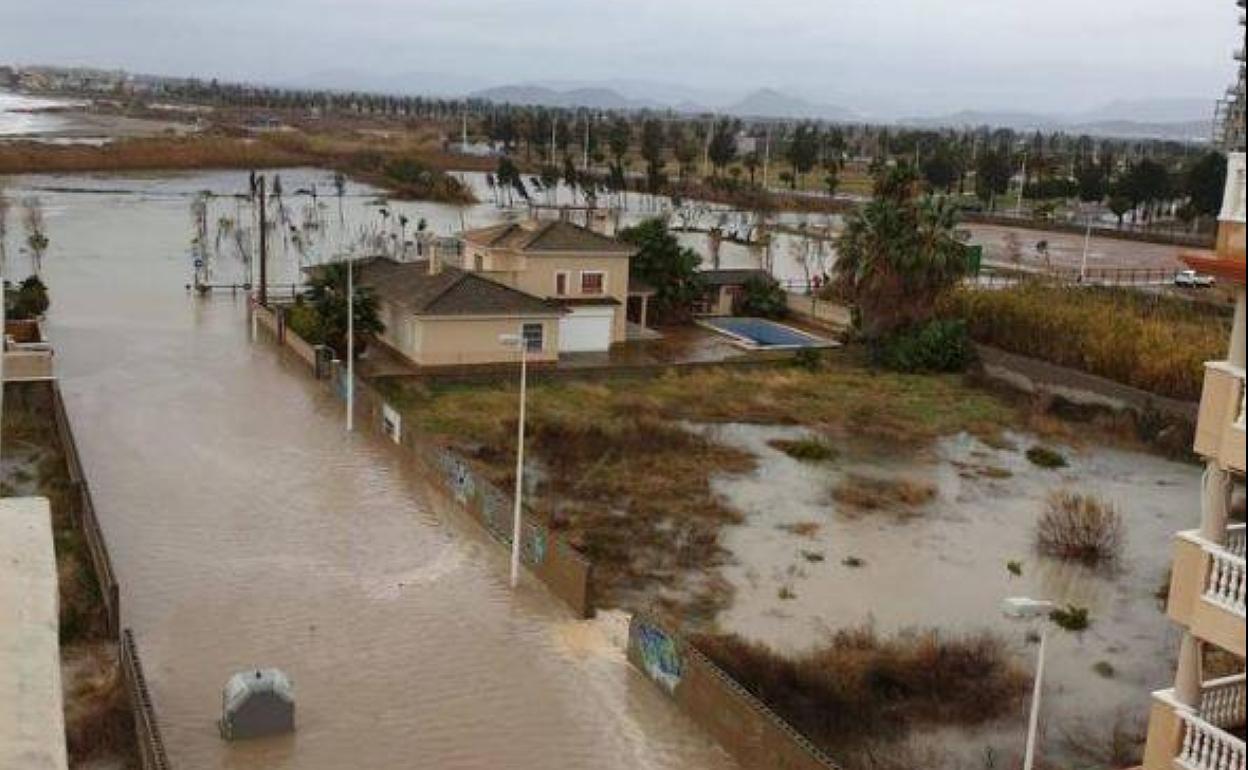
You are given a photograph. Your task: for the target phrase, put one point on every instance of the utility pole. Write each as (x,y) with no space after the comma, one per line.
(766,155)
(264,247)
(706,148)
(463,131)
(1022,183)
(585,146)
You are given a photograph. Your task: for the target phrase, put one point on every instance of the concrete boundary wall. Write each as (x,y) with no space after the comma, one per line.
(1032,375)
(151,746)
(105,575)
(740,722)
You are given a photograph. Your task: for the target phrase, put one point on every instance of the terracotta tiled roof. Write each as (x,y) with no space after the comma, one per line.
(555,235)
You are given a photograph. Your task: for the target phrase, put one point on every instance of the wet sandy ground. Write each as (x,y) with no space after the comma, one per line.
(248,529)
(945,567)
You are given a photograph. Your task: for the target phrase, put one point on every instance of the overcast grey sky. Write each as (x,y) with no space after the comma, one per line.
(907,56)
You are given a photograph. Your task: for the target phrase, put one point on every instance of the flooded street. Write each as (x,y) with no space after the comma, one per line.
(248,529)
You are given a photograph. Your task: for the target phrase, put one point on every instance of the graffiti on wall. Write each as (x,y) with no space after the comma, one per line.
(495,508)
(659,654)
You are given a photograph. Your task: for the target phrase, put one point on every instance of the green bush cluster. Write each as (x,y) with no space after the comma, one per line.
(29,300)
(942,345)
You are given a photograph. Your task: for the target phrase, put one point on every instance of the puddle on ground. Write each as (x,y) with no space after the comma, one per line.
(945,566)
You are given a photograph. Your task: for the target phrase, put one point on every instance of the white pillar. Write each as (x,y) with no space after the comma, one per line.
(1187,678)
(1215,502)
(1235,354)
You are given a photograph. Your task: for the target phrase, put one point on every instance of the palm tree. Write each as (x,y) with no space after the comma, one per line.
(327,294)
(898,254)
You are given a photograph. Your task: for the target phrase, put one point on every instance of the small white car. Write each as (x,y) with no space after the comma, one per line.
(1192,279)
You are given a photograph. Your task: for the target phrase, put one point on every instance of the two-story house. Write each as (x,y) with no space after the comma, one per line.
(585,272)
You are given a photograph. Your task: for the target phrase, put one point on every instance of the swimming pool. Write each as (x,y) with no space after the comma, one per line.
(761,333)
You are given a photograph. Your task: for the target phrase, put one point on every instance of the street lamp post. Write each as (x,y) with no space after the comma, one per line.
(1087,239)
(350,345)
(1022,607)
(517,341)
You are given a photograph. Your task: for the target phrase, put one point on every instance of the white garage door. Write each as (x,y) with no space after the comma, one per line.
(585,329)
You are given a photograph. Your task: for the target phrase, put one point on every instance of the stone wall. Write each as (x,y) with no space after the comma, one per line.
(742,724)
(1032,375)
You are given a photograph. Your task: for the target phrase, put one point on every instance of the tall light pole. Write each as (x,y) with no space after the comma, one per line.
(517,341)
(1087,241)
(1022,183)
(1022,607)
(350,343)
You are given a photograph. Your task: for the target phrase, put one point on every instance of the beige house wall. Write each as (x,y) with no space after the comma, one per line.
(535,273)
(1165,733)
(454,341)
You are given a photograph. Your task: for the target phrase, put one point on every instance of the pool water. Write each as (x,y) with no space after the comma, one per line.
(761,333)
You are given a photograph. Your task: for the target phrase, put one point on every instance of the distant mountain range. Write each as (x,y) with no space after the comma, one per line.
(1160,118)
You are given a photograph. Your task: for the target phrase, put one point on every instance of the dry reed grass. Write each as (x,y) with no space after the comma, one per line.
(1081,527)
(858,686)
(1149,341)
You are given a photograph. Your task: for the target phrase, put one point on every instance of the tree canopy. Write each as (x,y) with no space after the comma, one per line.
(898,254)
(669,268)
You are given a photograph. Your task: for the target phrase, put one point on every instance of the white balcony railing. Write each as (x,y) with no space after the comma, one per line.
(1222,702)
(1207,747)
(1235,540)
(1224,583)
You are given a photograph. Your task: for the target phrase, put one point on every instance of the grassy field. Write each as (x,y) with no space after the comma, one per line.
(629,485)
(1152,342)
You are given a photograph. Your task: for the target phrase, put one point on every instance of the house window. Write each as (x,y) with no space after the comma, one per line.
(593,282)
(532,334)
(478,262)
(561,284)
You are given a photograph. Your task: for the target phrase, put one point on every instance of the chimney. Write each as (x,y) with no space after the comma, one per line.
(435,260)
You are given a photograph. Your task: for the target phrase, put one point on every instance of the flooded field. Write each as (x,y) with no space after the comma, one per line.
(248,529)
(805,563)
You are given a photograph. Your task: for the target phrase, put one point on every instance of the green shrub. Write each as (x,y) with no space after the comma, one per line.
(29,300)
(809,449)
(809,359)
(942,345)
(1071,617)
(1045,457)
(302,319)
(763,296)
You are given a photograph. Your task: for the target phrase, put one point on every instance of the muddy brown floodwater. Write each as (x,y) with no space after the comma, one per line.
(248,529)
